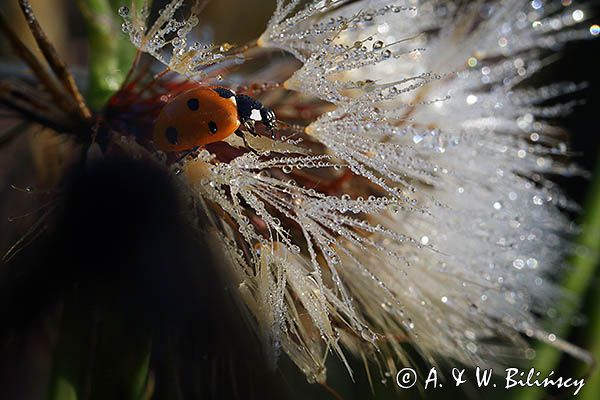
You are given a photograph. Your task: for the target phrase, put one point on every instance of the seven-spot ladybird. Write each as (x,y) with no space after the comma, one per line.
(206,115)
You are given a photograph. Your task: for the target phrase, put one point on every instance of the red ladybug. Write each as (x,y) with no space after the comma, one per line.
(206,115)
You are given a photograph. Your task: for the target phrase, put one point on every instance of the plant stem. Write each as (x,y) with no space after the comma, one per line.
(591,259)
(583,265)
(101,353)
(72,352)
(111,53)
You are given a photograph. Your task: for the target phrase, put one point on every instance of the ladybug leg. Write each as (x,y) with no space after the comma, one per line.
(187,153)
(249,125)
(251,111)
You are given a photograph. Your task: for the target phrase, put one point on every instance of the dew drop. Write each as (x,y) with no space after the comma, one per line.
(176,42)
(472,347)
(368,335)
(123,11)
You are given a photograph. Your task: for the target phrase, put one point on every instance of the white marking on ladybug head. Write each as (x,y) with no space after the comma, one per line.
(255,115)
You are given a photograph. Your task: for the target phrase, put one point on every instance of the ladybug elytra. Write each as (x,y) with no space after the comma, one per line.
(202,116)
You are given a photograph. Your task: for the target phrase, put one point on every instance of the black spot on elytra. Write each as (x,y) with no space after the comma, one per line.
(193,104)
(172,135)
(212,126)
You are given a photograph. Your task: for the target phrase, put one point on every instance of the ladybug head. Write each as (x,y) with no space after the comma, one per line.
(269,119)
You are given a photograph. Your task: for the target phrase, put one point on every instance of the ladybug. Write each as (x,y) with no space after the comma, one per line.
(201,116)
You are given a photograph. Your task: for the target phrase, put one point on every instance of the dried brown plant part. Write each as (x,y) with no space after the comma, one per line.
(16,100)
(31,93)
(134,65)
(335,395)
(55,62)
(52,155)
(39,70)
(9,134)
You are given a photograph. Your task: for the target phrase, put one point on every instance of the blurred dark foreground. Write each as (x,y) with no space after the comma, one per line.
(124,275)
